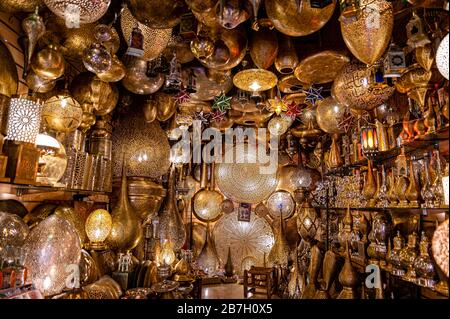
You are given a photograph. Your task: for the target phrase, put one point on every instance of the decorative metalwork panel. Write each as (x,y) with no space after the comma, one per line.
(252,238)
(24,119)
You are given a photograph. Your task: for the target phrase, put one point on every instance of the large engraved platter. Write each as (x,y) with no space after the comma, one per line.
(242,181)
(252,238)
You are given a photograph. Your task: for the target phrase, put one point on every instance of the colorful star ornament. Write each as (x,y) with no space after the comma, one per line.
(348,120)
(182,97)
(293,110)
(218,116)
(277,105)
(202,117)
(313,95)
(222,102)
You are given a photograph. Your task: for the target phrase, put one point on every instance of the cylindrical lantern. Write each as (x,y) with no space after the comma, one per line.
(369,141)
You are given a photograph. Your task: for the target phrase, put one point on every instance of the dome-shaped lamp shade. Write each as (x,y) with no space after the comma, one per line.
(98,226)
(442,57)
(84,11)
(62,113)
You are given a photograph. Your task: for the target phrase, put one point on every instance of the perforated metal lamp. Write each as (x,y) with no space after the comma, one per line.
(24,119)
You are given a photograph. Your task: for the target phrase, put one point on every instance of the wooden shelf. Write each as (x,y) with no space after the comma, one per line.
(437,140)
(415,210)
(35,193)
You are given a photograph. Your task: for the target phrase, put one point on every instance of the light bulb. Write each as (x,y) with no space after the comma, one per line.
(167,255)
(98,226)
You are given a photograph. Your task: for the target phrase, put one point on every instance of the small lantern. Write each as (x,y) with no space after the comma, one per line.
(167,256)
(369,141)
(350,11)
(445,186)
(136,43)
(160,65)
(394,62)
(416,33)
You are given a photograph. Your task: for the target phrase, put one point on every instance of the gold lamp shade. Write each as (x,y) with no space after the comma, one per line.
(321,67)
(289,84)
(115,73)
(256,118)
(368,37)
(243,181)
(157,14)
(207,205)
(77,221)
(49,63)
(87,88)
(51,246)
(264,48)
(354,87)
(136,80)
(206,88)
(8,72)
(166,106)
(155,40)
(414,77)
(230,50)
(439,247)
(255,80)
(329,114)
(39,85)
(88,11)
(254,238)
(425,56)
(78,39)
(145,144)
(62,113)
(13,6)
(290,19)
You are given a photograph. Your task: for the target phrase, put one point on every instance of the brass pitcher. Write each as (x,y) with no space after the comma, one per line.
(413,192)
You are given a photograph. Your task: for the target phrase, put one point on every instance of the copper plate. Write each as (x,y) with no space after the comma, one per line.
(321,67)
(255,80)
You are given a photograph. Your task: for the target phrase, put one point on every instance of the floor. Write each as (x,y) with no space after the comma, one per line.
(227,291)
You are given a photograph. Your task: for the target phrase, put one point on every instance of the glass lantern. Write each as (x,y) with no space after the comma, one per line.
(369,141)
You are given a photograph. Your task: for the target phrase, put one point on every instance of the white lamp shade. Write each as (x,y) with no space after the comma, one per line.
(442,57)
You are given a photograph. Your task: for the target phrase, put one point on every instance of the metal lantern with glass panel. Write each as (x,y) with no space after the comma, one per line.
(369,141)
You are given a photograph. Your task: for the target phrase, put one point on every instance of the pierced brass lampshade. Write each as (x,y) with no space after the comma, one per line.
(89,11)
(98,226)
(155,40)
(321,67)
(157,14)
(355,87)
(255,80)
(207,201)
(20,5)
(295,18)
(254,238)
(243,181)
(281,203)
(368,37)
(62,113)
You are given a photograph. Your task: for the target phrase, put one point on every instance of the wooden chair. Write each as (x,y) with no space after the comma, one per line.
(259,277)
